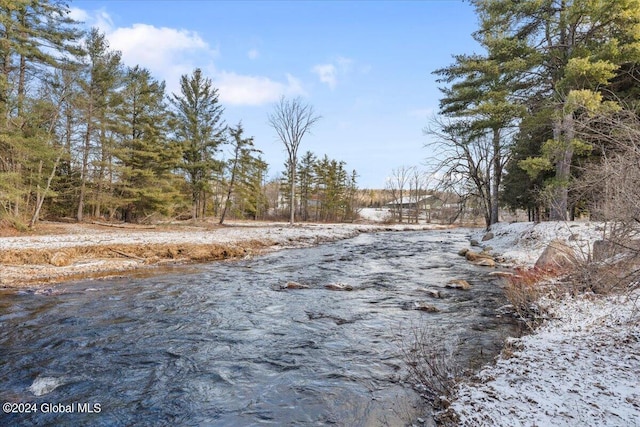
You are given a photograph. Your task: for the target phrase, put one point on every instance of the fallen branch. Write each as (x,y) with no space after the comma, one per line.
(141,227)
(126,255)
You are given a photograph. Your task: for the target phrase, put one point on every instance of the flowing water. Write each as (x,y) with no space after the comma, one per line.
(221,344)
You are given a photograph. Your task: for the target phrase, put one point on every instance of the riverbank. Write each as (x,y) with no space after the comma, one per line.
(59,252)
(581,367)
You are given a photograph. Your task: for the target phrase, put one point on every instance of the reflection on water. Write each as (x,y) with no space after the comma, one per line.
(222,345)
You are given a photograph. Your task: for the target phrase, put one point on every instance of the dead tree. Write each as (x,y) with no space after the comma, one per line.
(292,119)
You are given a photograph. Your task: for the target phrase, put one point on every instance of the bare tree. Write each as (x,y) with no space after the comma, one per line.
(292,119)
(418,184)
(397,184)
(470,160)
(610,187)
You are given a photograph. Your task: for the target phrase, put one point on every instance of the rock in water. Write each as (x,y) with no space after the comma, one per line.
(476,256)
(488,236)
(338,287)
(45,385)
(426,307)
(458,284)
(294,285)
(420,306)
(434,293)
(485,262)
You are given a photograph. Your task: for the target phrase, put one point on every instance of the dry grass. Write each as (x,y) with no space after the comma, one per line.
(432,368)
(142,252)
(31,266)
(524,289)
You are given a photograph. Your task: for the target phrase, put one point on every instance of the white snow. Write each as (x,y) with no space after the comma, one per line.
(375,214)
(277,233)
(581,368)
(521,243)
(45,385)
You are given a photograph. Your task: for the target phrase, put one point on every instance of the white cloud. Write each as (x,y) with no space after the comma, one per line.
(157,48)
(336,71)
(98,18)
(78,14)
(237,89)
(170,53)
(253,54)
(327,73)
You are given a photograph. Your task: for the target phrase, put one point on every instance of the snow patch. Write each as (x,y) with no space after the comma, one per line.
(582,368)
(522,243)
(45,385)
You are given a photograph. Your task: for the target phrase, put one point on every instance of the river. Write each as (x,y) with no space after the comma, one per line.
(221,344)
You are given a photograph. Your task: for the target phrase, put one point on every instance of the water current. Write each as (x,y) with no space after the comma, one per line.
(221,344)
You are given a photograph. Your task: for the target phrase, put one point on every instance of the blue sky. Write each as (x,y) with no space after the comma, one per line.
(365,66)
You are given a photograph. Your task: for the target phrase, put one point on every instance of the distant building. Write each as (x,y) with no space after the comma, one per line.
(425,202)
(413,208)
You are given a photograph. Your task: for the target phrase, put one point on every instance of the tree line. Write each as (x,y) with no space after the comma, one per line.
(81,134)
(325,190)
(526,123)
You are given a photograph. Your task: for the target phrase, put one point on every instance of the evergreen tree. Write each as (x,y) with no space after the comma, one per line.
(579,45)
(35,35)
(199,130)
(306,178)
(102,71)
(145,157)
(483,94)
(240,170)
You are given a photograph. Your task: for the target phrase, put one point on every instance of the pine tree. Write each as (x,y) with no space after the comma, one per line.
(145,157)
(306,178)
(240,168)
(199,130)
(102,76)
(483,96)
(579,45)
(36,38)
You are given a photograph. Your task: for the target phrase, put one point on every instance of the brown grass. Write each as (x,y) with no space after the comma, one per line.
(142,252)
(31,266)
(524,289)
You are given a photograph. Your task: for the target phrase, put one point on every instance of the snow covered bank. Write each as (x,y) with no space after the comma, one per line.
(581,368)
(74,251)
(522,243)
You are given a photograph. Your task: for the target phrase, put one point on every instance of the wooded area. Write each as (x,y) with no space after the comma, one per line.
(538,120)
(82,135)
(548,105)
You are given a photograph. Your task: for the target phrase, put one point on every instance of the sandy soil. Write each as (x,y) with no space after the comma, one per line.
(57,252)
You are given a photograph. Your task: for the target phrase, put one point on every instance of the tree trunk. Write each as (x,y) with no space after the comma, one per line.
(85,167)
(497,177)
(292,191)
(563,168)
(41,197)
